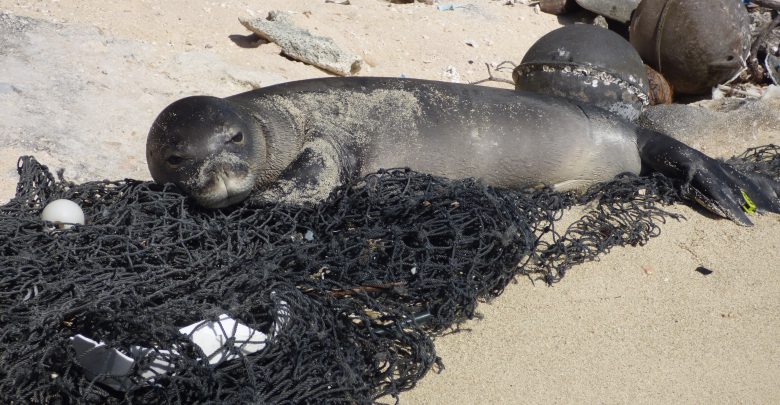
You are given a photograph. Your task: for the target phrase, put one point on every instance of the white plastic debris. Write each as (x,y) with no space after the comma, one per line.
(212,336)
(31,293)
(113,368)
(161,361)
(448,7)
(772,65)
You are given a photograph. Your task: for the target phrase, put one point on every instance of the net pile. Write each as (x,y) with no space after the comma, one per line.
(348,293)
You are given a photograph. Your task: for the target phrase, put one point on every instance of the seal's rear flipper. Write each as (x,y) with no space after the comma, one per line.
(759,189)
(713,184)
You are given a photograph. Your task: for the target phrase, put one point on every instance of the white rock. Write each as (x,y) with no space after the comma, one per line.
(450,75)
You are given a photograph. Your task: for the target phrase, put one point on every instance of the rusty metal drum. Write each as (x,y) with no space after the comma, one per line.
(695,44)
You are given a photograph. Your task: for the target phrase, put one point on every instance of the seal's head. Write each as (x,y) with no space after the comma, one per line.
(205,147)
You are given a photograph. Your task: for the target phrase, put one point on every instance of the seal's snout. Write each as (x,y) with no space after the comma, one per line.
(222,180)
(212,173)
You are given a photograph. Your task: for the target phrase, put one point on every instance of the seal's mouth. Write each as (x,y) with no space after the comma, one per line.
(222,181)
(224,190)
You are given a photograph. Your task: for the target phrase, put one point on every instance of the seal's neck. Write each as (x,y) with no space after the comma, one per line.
(279,136)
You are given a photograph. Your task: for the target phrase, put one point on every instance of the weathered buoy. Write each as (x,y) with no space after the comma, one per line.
(63,213)
(588,64)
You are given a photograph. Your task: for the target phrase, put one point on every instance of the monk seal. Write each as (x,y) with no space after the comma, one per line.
(296,141)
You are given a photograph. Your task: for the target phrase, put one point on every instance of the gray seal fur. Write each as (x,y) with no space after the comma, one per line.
(296,141)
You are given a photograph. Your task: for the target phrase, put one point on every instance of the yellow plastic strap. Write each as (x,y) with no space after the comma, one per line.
(749,206)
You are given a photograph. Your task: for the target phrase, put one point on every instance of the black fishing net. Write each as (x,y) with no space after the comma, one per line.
(341,300)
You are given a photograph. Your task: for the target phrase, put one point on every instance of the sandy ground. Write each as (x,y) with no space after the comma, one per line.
(79,90)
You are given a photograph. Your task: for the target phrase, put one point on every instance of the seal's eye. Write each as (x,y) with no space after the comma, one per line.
(237,138)
(175,160)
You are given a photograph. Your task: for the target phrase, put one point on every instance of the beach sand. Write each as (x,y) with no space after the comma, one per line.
(80,89)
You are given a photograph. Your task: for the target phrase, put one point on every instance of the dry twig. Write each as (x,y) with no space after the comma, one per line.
(492,78)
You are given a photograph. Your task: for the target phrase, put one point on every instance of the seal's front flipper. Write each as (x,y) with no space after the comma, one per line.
(715,185)
(309,179)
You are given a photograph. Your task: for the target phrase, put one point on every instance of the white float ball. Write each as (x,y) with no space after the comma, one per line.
(63,212)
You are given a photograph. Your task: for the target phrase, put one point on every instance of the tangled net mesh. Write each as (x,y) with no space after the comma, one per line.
(349,293)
